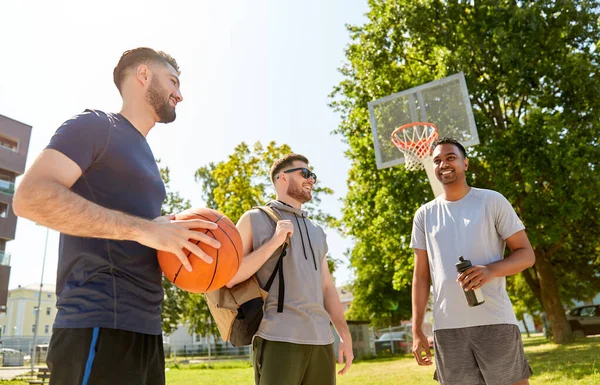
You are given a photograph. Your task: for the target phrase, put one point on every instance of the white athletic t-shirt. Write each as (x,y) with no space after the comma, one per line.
(474,227)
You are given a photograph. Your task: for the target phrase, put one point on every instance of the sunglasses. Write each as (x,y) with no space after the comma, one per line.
(306,173)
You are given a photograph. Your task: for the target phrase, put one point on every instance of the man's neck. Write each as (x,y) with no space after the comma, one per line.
(139,117)
(456,191)
(286,200)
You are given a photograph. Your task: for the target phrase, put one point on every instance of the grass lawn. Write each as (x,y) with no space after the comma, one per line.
(575,364)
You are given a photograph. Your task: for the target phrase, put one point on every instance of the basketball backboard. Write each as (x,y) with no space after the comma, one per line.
(444,102)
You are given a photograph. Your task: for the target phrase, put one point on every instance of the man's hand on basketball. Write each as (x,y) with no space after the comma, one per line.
(284,227)
(168,234)
(345,352)
(420,345)
(475,277)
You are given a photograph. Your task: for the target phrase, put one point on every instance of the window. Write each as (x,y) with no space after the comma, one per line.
(33,328)
(47,329)
(3,329)
(589,311)
(575,312)
(7,183)
(197,338)
(48,311)
(3,210)
(9,143)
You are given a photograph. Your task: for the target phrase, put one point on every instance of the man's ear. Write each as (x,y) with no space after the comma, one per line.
(283,177)
(143,73)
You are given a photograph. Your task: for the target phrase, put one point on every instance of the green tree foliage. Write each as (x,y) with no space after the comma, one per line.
(533,76)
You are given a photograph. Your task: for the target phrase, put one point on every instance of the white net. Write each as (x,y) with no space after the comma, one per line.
(414,140)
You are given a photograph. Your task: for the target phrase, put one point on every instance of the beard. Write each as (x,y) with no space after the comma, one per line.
(449,179)
(299,193)
(159,103)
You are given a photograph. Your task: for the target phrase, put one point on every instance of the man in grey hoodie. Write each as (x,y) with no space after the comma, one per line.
(294,344)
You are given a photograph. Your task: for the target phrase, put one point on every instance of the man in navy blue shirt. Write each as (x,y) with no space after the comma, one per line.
(98,183)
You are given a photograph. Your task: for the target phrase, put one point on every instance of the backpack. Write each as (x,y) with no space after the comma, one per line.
(238,311)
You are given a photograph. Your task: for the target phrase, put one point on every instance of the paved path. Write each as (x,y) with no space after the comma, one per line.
(8,373)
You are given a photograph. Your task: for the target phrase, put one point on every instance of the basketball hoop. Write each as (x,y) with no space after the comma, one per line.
(414,140)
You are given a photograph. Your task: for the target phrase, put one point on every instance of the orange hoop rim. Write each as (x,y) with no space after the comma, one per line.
(407,145)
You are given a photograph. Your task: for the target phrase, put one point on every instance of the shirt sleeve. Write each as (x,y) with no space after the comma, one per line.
(506,219)
(417,239)
(83,138)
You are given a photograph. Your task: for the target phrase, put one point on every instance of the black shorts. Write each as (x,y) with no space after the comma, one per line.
(101,356)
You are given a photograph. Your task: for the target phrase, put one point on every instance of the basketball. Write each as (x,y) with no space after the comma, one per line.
(226,260)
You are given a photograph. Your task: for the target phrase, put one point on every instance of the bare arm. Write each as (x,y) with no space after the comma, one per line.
(420,297)
(521,258)
(253,260)
(44,196)
(333,306)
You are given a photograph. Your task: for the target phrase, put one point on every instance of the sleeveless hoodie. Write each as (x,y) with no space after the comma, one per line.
(304,319)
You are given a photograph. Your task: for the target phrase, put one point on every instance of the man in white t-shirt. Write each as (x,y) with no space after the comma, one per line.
(473,344)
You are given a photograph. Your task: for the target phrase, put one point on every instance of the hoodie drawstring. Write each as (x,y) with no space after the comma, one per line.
(310,243)
(302,238)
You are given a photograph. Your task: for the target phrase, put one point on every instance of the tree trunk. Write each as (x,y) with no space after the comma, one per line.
(533,284)
(525,325)
(561,330)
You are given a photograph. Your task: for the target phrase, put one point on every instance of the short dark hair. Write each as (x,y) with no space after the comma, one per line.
(449,140)
(285,161)
(143,55)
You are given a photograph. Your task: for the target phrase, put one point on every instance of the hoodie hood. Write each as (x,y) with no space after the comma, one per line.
(279,205)
(299,229)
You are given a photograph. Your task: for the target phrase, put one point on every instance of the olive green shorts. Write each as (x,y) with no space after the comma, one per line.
(284,363)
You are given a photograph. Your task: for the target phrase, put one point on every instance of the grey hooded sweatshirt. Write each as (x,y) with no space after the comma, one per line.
(304,319)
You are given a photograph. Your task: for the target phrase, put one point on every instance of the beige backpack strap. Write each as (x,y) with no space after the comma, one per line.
(275,217)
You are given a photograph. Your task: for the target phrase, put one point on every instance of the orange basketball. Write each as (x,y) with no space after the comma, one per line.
(226,259)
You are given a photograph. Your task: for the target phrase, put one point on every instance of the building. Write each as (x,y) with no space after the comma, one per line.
(182,338)
(17,324)
(14,144)
(19,320)
(346,296)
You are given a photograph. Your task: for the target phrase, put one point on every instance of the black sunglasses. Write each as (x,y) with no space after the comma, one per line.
(306,173)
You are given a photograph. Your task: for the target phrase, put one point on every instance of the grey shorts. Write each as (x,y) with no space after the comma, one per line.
(480,355)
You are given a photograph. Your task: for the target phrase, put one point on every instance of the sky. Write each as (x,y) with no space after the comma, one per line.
(251,71)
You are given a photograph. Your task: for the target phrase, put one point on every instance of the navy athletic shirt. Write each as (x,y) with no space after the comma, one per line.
(100,282)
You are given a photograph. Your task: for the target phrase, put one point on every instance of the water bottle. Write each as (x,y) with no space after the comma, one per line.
(474,296)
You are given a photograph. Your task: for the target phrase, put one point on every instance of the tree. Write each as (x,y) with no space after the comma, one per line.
(175,299)
(533,76)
